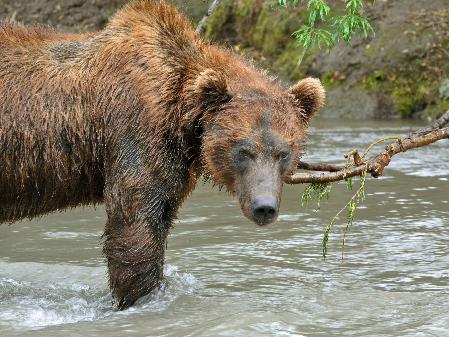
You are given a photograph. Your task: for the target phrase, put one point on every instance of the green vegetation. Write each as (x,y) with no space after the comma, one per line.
(400,69)
(319,192)
(315,191)
(324,28)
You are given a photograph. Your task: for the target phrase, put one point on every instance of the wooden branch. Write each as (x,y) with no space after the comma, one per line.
(377,165)
(374,166)
(202,23)
(439,123)
(319,167)
(322,178)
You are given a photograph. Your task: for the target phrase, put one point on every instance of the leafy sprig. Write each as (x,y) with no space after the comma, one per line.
(316,191)
(351,207)
(319,191)
(325,26)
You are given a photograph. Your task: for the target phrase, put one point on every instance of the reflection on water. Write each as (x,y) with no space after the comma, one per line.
(227,277)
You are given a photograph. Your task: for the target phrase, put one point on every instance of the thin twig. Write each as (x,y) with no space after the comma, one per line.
(202,23)
(12,19)
(368,149)
(442,121)
(359,196)
(438,130)
(334,219)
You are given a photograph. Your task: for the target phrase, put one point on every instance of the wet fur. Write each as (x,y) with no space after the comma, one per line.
(126,116)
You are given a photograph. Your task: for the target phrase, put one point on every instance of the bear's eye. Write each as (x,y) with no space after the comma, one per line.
(245,154)
(284,156)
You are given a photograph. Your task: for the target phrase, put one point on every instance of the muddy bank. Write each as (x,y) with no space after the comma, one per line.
(68,15)
(78,15)
(398,73)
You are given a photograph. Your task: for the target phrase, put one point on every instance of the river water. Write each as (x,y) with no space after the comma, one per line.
(227,277)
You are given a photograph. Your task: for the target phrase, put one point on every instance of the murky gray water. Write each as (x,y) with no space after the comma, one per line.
(227,277)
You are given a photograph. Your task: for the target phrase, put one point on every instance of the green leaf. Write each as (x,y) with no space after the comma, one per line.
(317,191)
(283,3)
(312,17)
(348,182)
(324,32)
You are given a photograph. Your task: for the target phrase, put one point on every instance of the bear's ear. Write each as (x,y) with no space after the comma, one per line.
(308,95)
(211,90)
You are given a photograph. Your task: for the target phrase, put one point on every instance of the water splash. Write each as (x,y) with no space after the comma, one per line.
(38,295)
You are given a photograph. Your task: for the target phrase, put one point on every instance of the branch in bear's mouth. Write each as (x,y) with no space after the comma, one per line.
(375,165)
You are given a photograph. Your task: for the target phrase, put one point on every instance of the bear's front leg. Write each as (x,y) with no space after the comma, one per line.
(135,262)
(134,243)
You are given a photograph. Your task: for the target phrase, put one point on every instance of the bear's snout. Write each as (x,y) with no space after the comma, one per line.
(259,190)
(265,210)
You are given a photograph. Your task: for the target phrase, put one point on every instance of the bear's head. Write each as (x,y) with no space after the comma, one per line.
(253,137)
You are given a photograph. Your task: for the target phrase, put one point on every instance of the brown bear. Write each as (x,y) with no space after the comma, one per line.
(132,116)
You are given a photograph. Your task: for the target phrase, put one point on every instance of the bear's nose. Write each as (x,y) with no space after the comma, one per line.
(265,210)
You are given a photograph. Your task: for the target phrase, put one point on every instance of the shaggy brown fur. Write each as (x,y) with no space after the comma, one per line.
(132,116)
